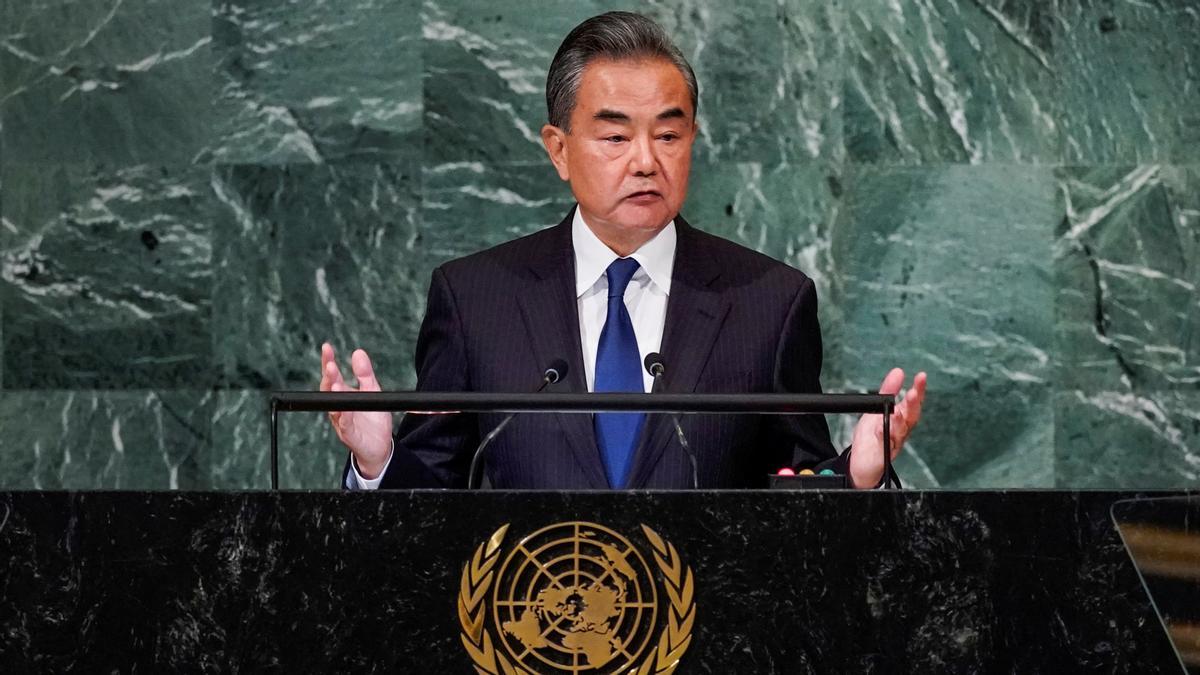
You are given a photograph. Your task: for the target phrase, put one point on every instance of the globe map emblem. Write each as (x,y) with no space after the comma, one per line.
(575,597)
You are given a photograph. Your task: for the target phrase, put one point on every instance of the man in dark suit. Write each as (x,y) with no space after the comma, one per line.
(623,275)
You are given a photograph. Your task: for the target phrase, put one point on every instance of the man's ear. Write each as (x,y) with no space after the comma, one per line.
(555,140)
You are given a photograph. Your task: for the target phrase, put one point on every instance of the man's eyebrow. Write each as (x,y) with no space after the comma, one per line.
(618,116)
(611,115)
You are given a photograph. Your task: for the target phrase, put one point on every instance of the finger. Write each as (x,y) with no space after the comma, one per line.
(900,428)
(332,381)
(326,357)
(360,363)
(331,378)
(915,398)
(341,421)
(897,425)
(908,411)
(334,373)
(916,390)
(331,373)
(892,383)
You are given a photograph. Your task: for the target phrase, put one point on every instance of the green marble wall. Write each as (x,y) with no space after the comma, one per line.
(195,194)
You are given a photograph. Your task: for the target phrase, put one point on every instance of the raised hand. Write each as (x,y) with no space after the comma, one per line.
(866,450)
(367,434)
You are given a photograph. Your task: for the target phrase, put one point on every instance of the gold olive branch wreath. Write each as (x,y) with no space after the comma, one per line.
(479,574)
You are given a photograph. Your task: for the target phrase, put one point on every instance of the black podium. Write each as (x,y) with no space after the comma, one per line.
(454,582)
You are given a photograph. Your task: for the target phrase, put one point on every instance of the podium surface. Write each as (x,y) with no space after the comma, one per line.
(589,582)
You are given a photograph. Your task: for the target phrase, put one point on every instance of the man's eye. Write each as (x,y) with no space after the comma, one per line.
(614,139)
(668,137)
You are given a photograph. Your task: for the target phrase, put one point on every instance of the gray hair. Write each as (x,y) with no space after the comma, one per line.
(613,35)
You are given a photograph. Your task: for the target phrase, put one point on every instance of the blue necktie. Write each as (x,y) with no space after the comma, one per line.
(618,368)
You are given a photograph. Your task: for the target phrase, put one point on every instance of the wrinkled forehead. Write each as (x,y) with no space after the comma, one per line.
(636,88)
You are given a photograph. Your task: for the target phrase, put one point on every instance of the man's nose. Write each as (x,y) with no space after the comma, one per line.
(644,162)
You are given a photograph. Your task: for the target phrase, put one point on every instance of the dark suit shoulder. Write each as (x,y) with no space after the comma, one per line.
(743,265)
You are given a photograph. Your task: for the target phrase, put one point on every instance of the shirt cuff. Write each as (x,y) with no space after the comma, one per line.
(373,483)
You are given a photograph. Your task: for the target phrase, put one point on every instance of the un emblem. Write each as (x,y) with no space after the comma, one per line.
(576,597)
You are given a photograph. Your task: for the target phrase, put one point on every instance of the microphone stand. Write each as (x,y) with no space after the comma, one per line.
(655,367)
(553,374)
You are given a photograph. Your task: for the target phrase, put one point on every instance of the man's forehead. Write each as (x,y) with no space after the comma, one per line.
(620,88)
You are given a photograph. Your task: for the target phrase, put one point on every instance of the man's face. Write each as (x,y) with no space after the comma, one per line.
(629,151)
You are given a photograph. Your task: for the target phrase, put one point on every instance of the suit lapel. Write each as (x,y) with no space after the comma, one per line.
(551,314)
(695,313)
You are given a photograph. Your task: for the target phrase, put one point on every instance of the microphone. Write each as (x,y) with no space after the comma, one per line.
(553,374)
(654,365)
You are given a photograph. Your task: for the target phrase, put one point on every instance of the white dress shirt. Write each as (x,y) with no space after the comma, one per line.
(645,298)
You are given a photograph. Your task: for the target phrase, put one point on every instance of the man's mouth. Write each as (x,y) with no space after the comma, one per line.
(644,195)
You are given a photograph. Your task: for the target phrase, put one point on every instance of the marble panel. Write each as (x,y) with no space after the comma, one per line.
(314,82)
(105,277)
(768,79)
(1130,81)
(310,455)
(87,440)
(1107,438)
(470,206)
(471,116)
(112,82)
(1128,266)
(6,228)
(948,81)
(351,249)
(948,270)
(1060,333)
(773,116)
(241,427)
(303,254)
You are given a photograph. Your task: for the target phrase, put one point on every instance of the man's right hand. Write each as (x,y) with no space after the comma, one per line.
(367,434)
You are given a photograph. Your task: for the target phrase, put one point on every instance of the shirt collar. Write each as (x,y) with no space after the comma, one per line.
(592,256)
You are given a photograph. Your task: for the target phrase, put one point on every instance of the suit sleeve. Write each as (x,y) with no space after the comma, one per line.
(434,451)
(798,371)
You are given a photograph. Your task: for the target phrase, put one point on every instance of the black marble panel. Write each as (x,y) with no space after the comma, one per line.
(883,582)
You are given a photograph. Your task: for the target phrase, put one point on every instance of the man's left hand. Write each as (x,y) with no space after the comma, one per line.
(866,450)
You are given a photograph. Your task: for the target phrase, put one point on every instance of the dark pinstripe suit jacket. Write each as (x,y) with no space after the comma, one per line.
(737,321)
